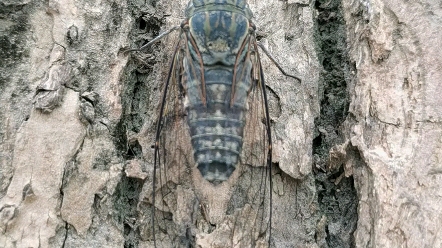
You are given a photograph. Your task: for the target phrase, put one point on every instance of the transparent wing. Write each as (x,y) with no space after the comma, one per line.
(187,210)
(252,193)
(172,151)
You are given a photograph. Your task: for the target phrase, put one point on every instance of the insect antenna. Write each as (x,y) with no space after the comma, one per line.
(159,37)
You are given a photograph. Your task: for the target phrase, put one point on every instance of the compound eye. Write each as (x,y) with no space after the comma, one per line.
(185,24)
(252,26)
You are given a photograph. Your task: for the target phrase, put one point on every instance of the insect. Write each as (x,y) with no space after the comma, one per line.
(213,146)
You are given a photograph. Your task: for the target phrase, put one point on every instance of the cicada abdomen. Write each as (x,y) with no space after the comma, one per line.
(212,168)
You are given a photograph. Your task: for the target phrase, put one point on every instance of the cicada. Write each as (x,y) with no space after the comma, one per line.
(211,184)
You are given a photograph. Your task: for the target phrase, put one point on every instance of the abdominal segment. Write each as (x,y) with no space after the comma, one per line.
(217,128)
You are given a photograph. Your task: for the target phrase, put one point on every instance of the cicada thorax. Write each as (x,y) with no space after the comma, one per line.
(217,79)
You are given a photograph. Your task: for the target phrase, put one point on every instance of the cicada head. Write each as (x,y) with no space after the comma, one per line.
(238,6)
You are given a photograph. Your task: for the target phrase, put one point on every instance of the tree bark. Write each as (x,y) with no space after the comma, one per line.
(394,122)
(356,144)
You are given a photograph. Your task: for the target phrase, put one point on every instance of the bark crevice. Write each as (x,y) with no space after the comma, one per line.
(337,196)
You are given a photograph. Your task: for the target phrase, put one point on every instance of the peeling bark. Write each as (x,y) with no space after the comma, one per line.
(356,144)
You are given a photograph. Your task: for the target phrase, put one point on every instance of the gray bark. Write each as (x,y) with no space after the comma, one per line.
(394,126)
(356,144)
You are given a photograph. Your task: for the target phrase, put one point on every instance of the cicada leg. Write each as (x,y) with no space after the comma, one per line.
(276,63)
(159,37)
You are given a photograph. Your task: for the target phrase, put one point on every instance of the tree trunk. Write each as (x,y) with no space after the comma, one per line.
(393,129)
(356,144)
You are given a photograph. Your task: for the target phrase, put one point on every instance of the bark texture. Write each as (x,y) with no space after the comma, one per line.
(356,145)
(393,130)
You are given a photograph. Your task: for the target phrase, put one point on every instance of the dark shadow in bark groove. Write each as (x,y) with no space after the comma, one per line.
(136,102)
(337,195)
(125,203)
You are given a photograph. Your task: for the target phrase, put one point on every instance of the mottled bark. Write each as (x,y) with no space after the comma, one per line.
(393,129)
(356,144)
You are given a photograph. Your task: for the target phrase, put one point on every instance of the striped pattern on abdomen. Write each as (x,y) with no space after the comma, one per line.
(216,129)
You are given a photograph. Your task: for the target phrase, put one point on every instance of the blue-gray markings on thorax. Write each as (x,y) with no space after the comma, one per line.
(216,121)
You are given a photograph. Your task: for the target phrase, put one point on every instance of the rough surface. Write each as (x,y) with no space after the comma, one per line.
(337,196)
(30,213)
(60,104)
(393,130)
(357,144)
